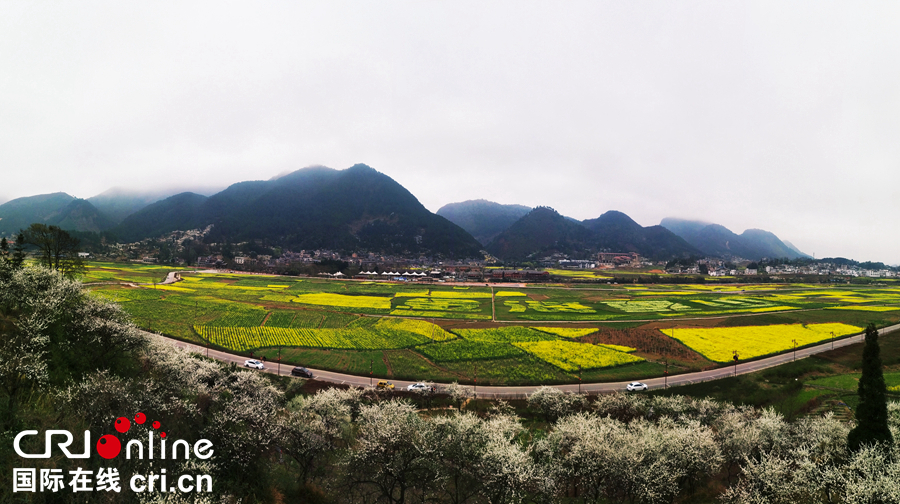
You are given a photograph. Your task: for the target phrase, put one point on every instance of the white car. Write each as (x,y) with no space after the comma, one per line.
(635,386)
(253,363)
(418,387)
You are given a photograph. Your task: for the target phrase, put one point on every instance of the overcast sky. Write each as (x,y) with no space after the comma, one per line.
(783,116)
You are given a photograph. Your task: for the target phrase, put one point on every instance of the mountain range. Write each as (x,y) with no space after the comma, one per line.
(57,209)
(311,208)
(360,208)
(717,240)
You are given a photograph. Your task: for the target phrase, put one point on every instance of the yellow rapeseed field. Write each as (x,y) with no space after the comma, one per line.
(568,355)
(568,332)
(866,308)
(328,299)
(718,343)
(618,348)
(431,331)
(445,294)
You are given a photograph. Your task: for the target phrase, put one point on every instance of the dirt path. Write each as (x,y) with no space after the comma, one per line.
(387,363)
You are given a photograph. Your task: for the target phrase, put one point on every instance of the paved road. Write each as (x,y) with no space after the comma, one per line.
(521,392)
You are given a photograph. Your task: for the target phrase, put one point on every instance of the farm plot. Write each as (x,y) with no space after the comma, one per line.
(648,306)
(514,306)
(510,294)
(427,329)
(114,272)
(248,338)
(504,335)
(459,307)
(280,318)
(449,305)
(717,344)
(618,348)
(446,294)
(465,350)
(400,312)
(559,307)
(570,356)
(866,308)
(568,332)
(344,301)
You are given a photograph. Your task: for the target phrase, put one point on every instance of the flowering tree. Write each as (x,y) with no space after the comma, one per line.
(460,443)
(458,393)
(391,458)
(53,331)
(554,403)
(314,427)
(506,469)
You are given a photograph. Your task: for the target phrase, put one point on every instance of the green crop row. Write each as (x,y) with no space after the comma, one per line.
(465,350)
(504,335)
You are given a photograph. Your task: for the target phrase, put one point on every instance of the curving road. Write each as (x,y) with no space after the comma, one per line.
(499,392)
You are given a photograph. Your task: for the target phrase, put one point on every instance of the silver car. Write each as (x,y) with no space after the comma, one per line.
(636,386)
(418,387)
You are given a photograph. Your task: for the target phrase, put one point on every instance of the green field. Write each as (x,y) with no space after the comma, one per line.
(438,332)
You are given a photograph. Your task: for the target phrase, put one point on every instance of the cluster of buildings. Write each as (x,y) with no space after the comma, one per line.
(719,268)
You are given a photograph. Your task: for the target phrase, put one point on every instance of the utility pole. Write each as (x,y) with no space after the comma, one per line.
(832,340)
(667,373)
(279,361)
(735,361)
(795,348)
(371,363)
(579,379)
(476,381)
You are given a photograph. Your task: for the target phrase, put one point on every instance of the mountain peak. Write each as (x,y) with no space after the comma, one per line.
(361,167)
(483,219)
(541,231)
(315,207)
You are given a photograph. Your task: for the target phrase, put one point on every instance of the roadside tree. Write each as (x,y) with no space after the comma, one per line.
(871,414)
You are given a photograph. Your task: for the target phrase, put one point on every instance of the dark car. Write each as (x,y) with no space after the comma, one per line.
(302,372)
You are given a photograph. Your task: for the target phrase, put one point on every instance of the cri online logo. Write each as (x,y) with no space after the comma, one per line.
(109,446)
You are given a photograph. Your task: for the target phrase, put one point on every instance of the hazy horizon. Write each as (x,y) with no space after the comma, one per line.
(775,116)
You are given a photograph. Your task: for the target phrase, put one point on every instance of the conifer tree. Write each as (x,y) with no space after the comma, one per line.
(17,259)
(871,414)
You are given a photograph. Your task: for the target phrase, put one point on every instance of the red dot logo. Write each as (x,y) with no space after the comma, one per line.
(162,435)
(140,418)
(122,425)
(108,446)
(156,425)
